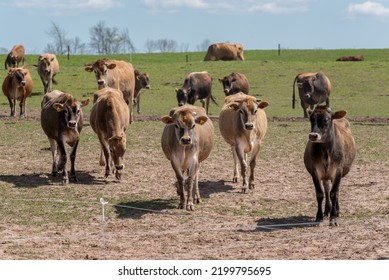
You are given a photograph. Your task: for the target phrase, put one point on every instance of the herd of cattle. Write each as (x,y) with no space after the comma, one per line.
(188,136)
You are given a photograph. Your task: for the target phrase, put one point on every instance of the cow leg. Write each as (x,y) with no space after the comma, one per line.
(235,179)
(335,199)
(105,150)
(252,165)
(138,103)
(102,159)
(72,160)
(180,182)
(62,161)
(197,197)
(207,104)
(131,101)
(327,188)
(22,107)
(192,174)
(53,148)
(305,107)
(243,166)
(319,196)
(12,106)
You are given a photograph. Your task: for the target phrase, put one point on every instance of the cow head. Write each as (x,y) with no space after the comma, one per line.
(184,122)
(117,148)
(247,109)
(182,96)
(45,63)
(227,84)
(19,74)
(321,123)
(143,80)
(72,111)
(100,67)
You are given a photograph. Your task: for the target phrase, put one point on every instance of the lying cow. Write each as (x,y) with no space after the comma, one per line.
(314,88)
(14,57)
(328,157)
(47,68)
(142,80)
(234,83)
(224,51)
(197,85)
(116,74)
(109,119)
(243,125)
(17,86)
(351,58)
(187,140)
(61,120)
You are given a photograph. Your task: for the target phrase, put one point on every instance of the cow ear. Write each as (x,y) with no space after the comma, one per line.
(111,66)
(85,102)
(201,120)
(234,106)
(176,90)
(88,68)
(339,114)
(58,106)
(167,119)
(263,104)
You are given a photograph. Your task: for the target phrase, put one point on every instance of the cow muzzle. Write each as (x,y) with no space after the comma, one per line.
(186,141)
(249,126)
(72,124)
(314,137)
(101,84)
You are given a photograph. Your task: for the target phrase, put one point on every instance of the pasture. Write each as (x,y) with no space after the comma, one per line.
(42,219)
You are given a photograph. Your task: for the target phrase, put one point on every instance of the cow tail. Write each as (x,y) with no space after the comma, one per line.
(294,92)
(214,100)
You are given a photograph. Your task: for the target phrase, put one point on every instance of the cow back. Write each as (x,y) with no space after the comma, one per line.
(122,77)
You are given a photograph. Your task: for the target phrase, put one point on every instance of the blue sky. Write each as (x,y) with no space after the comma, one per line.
(257,24)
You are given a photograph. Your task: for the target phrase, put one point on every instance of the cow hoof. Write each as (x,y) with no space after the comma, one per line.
(54,173)
(244,190)
(197,200)
(75,179)
(235,180)
(180,206)
(333,223)
(65,181)
(118,176)
(190,207)
(251,187)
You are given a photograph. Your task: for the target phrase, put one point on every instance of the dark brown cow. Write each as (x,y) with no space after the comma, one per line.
(197,85)
(47,68)
(17,86)
(116,74)
(15,56)
(224,51)
(314,88)
(351,58)
(187,140)
(62,120)
(328,157)
(142,80)
(109,119)
(243,125)
(234,83)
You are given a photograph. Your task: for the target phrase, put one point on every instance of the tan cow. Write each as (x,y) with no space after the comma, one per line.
(47,68)
(328,157)
(243,125)
(234,83)
(224,51)
(187,140)
(116,74)
(14,57)
(17,86)
(109,119)
(62,121)
(142,80)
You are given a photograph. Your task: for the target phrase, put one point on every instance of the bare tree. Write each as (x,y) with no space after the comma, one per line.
(60,42)
(166,45)
(150,46)
(204,45)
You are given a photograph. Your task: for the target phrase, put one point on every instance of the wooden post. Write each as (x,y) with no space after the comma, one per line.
(279,49)
(68,52)
(187,58)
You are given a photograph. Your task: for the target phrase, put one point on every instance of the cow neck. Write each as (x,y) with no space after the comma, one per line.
(114,122)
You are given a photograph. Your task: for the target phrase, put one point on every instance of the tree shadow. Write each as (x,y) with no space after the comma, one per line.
(287,223)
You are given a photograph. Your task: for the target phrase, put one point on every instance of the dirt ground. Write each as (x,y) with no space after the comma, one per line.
(42,219)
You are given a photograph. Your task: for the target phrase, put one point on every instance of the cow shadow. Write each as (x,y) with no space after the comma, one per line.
(286,223)
(207,188)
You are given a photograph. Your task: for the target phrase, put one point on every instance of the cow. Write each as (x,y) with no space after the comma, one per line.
(47,68)
(197,85)
(243,125)
(14,57)
(351,58)
(142,80)
(314,88)
(234,83)
(17,86)
(109,119)
(328,157)
(116,74)
(224,51)
(62,121)
(187,140)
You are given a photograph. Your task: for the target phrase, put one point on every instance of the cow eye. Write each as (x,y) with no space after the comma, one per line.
(193,125)
(255,111)
(241,111)
(176,126)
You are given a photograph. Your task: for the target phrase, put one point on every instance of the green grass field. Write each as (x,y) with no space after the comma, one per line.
(359,87)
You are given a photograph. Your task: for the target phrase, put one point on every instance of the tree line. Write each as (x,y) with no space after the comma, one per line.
(106,40)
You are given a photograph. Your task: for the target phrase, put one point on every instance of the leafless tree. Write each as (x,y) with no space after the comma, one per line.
(61,43)
(204,45)
(150,46)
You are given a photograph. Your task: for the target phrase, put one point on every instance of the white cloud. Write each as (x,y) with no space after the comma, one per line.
(67,4)
(368,8)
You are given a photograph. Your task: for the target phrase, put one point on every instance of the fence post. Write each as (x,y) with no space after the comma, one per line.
(279,49)
(103,202)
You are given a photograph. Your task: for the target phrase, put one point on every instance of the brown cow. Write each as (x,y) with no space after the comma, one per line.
(224,51)
(14,57)
(234,83)
(17,85)
(62,121)
(314,88)
(47,68)
(142,80)
(328,157)
(243,125)
(197,85)
(109,119)
(116,74)
(187,140)
(351,58)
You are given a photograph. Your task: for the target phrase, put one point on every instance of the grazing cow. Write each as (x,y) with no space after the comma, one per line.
(197,85)
(314,88)
(243,125)
(328,157)
(61,120)
(47,68)
(115,74)
(109,119)
(17,85)
(224,51)
(234,83)
(141,81)
(187,140)
(351,58)
(15,56)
